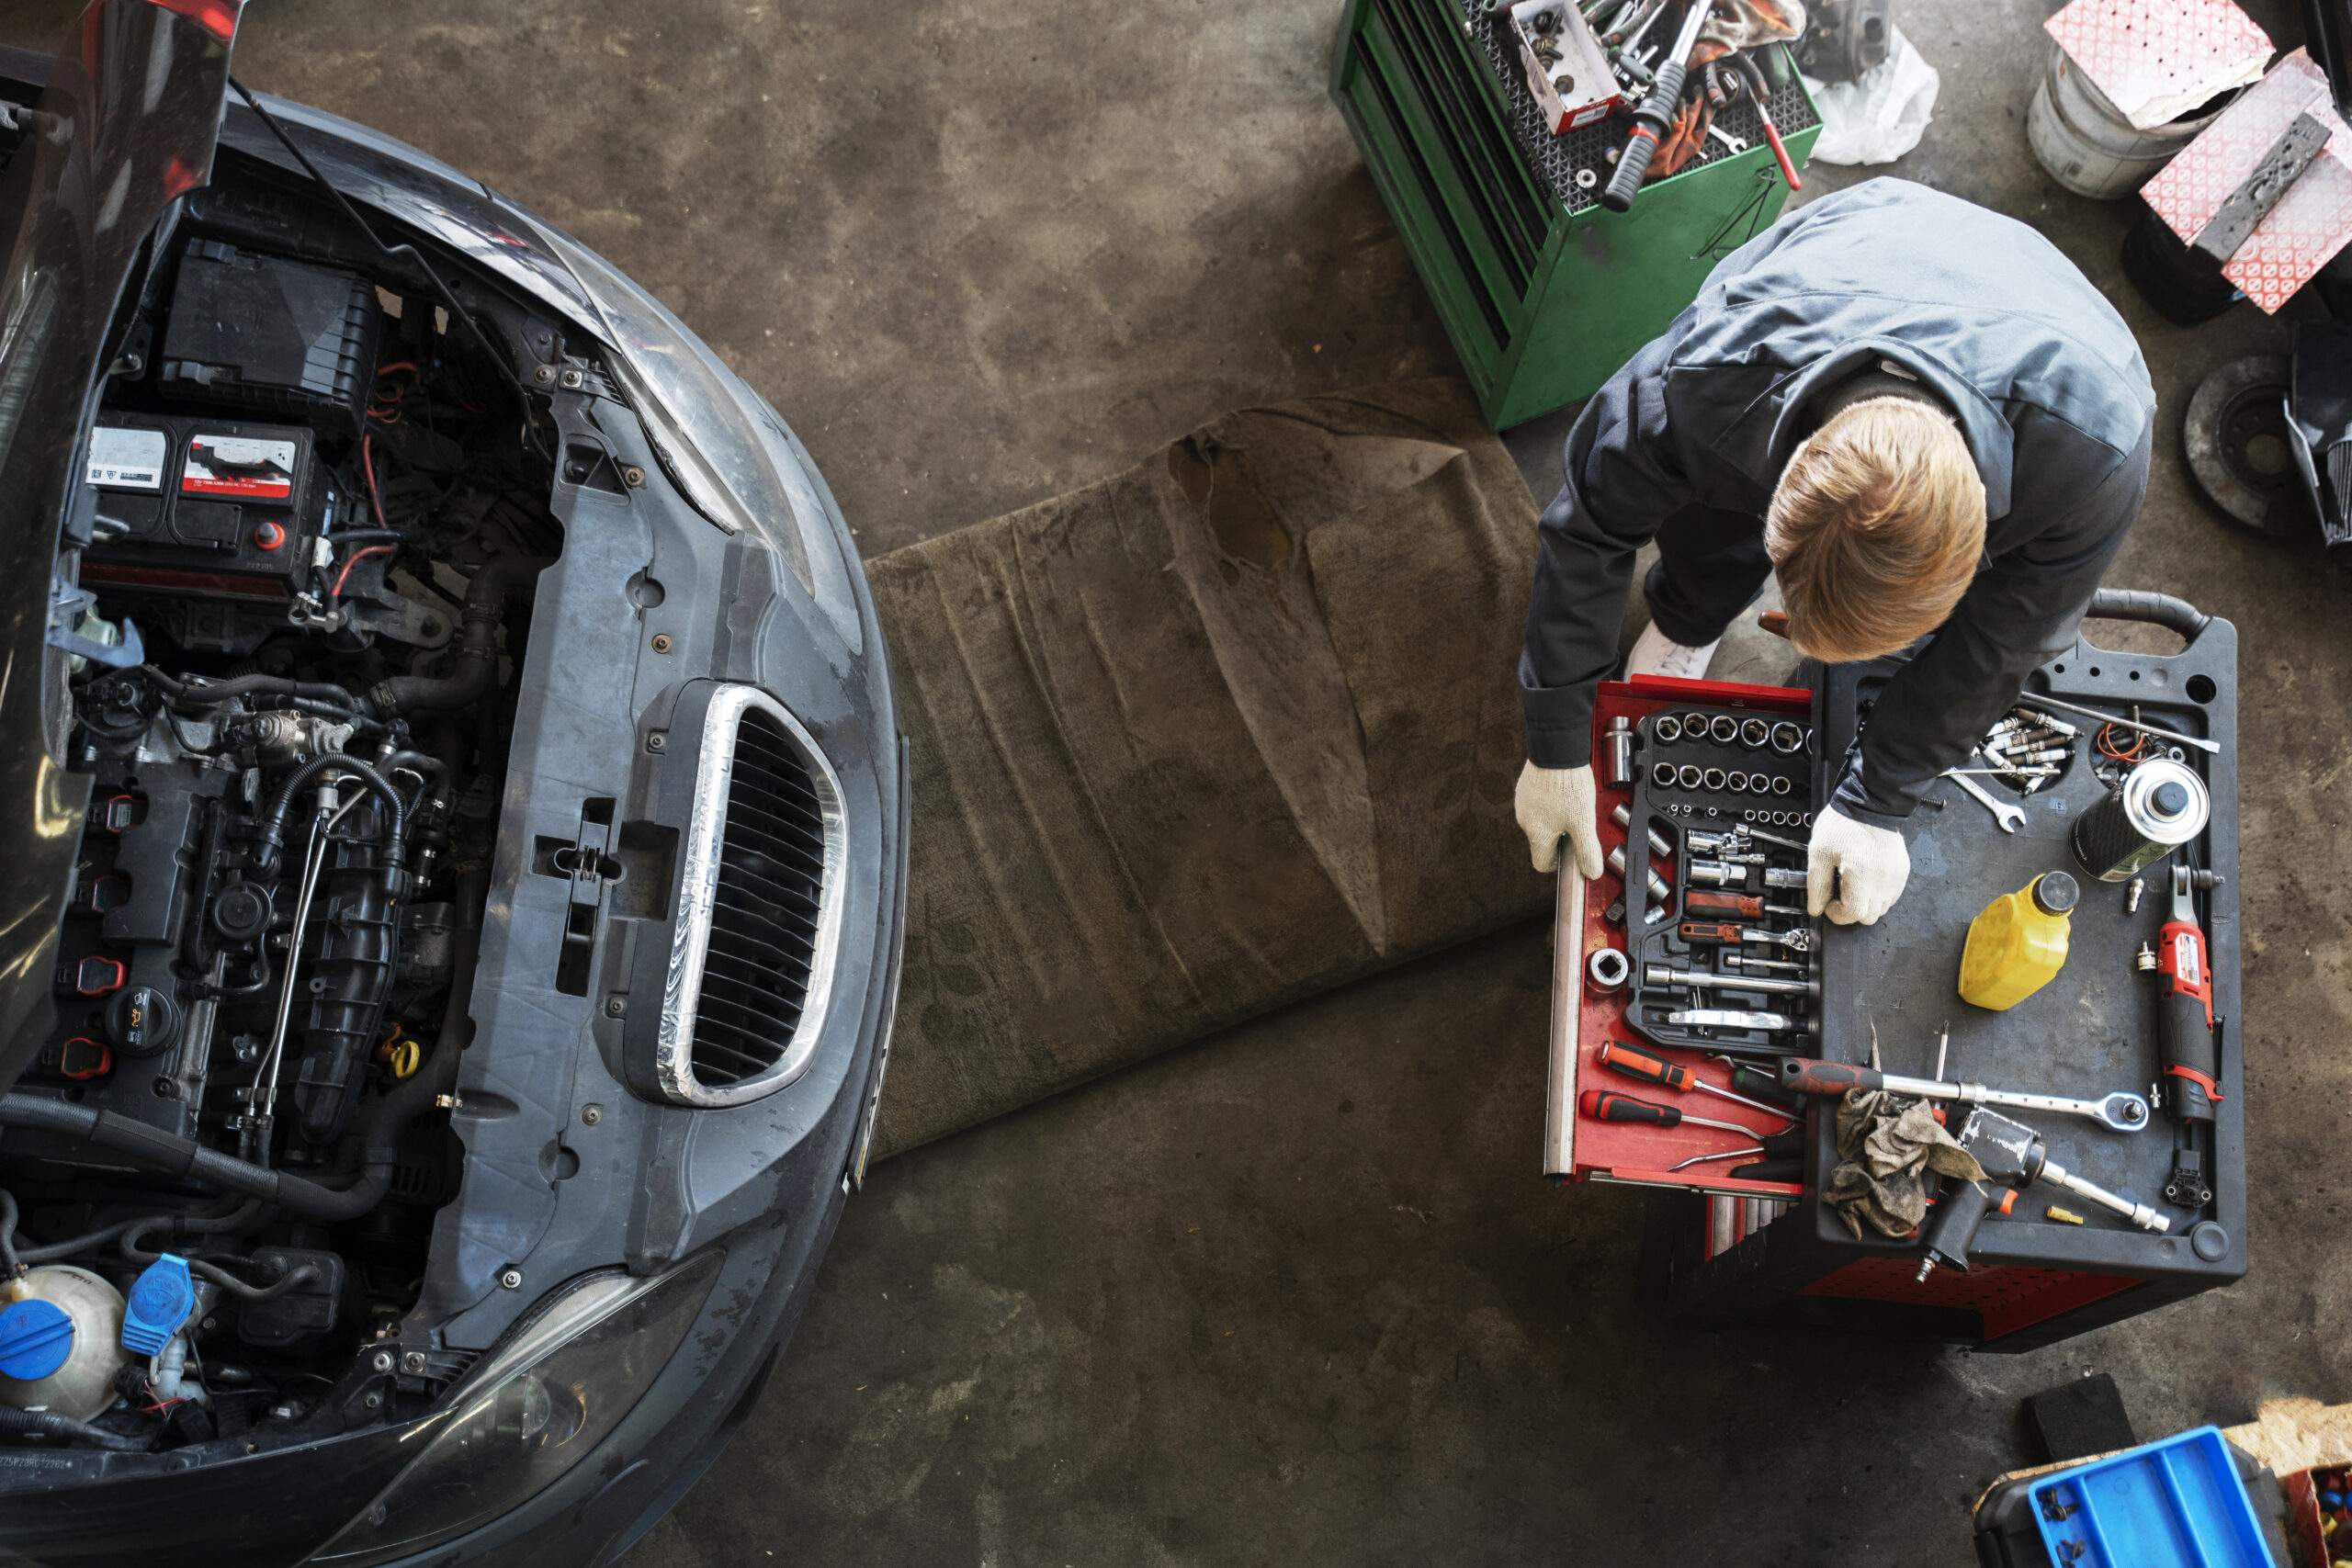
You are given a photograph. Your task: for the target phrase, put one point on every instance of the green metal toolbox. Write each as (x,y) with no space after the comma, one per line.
(1542,291)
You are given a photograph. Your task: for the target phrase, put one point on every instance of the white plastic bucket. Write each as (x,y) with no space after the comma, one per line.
(2085,143)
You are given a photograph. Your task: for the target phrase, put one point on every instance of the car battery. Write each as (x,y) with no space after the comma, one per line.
(200,509)
(2046,1264)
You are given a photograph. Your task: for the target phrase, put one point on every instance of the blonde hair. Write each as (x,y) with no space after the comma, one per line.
(1875,529)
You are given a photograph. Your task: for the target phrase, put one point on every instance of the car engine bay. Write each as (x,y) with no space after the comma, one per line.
(314,508)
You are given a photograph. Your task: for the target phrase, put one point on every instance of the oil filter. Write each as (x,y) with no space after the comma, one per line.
(2159,805)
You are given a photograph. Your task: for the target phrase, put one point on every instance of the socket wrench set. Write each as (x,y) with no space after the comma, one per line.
(1720,954)
(1689,971)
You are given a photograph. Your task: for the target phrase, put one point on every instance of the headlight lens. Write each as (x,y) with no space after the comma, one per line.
(702,427)
(536,1408)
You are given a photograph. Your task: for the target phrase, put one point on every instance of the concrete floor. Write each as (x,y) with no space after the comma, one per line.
(1295,1294)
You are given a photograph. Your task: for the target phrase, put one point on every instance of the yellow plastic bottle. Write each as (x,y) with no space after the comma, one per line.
(2016,943)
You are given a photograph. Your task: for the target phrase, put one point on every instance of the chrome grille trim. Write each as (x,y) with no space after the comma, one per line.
(700,915)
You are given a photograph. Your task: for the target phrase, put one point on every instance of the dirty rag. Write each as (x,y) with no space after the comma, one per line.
(1887,1144)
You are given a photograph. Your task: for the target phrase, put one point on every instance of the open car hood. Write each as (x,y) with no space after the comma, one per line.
(125,127)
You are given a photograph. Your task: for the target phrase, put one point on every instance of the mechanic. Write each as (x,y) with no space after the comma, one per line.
(1920,418)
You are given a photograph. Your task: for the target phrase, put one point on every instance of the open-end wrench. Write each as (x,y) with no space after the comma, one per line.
(1731,143)
(2009,817)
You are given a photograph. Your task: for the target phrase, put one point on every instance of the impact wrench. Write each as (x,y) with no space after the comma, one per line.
(2014,1156)
(1657,111)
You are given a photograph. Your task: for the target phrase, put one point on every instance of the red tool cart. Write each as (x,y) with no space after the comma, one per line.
(1727,1251)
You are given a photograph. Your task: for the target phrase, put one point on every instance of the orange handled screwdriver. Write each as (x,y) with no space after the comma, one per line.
(1637,1063)
(1608,1105)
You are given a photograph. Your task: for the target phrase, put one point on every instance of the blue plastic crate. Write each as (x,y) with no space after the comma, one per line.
(2176,1504)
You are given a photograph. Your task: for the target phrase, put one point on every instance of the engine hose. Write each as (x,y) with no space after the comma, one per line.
(161,1151)
(272,825)
(477,671)
(212,694)
(15,1423)
(134,1251)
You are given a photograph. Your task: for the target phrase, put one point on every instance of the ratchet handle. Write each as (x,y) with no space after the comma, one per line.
(1808,1075)
(1649,122)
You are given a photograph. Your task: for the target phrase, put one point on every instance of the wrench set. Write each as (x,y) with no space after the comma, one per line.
(1720,952)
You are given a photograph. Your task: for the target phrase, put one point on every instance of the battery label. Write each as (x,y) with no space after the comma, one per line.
(128,459)
(246,467)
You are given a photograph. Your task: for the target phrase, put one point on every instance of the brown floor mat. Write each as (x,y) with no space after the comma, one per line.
(1232,727)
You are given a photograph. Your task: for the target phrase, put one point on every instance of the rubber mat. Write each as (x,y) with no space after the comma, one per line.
(1232,727)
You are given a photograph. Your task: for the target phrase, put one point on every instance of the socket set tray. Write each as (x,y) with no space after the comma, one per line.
(1723,956)
(1599,928)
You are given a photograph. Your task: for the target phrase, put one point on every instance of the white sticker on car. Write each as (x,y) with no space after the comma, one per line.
(124,459)
(248,466)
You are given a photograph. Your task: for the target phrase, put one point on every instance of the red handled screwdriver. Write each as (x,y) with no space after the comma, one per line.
(1608,1105)
(1637,1063)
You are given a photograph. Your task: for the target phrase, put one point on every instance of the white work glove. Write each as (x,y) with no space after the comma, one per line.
(1855,872)
(1554,803)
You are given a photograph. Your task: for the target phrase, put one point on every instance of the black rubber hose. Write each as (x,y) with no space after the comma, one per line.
(2166,610)
(272,825)
(15,1423)
(134,1251)
(10,1264)
(158,1150)
(477,671)
(212,694)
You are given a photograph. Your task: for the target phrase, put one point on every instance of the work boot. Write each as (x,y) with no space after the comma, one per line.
(1655,654)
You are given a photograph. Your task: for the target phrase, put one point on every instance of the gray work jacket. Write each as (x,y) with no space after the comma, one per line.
(2045,380)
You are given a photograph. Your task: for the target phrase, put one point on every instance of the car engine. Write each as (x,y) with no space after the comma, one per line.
(316,503)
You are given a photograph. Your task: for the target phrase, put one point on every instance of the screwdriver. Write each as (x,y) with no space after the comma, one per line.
(1608,1105)
(1637,1063)
(1751,906)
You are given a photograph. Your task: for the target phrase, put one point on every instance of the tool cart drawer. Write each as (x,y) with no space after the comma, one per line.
(2093,1032)
(1634,915)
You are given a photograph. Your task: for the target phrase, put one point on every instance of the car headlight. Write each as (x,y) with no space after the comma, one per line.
(538,1406)
(701,426)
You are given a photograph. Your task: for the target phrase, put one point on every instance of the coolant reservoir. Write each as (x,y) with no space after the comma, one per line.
(61,1342)
(2016,943)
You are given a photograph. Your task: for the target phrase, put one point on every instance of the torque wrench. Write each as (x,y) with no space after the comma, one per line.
(2121,1112)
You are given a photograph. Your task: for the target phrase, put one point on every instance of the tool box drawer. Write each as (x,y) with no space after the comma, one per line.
(1634,914)
(2033,1277)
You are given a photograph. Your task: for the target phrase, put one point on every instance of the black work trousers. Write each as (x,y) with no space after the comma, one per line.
(1711,566)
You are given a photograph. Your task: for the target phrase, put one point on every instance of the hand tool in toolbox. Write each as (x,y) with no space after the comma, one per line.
(1657,111)
(2121,1112)
(1609,1105)
(1733,1018)
(2036,700)
(1751,906)
(1637,1063)
(1788,1146)
(1725,934)
(1708,980)
(2187,1044)
(2014,1156)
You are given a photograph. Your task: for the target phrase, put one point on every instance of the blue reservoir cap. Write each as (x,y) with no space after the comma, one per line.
(35,1338)
(160,1300)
